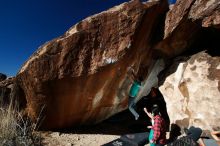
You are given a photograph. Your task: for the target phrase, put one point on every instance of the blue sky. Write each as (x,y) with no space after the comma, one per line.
(27,24)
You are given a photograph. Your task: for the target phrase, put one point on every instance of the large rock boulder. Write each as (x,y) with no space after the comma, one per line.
(11,94)
(192,91)
(81,77)
(2,77)
(5,91)
(207,12)
(185,23)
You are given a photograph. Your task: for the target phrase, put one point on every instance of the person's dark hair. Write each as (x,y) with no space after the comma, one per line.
(155,110)
(194,133)
(140,79)
(153,92)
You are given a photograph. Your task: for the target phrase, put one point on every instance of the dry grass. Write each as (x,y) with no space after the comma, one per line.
(7,125)
(16,130)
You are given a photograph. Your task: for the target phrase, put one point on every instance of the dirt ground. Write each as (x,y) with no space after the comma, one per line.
(62,139)
(96,135)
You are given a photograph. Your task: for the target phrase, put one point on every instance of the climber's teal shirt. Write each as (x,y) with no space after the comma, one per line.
(134,89)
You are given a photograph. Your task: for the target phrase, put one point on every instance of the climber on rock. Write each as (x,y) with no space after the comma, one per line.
(134,90)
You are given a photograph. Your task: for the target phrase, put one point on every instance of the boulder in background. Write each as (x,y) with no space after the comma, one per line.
(192,91)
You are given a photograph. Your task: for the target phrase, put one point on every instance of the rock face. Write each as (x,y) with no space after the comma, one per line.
(184,23)
(81,77)
(5,90)
(207,12)
(2,77)
(192,91)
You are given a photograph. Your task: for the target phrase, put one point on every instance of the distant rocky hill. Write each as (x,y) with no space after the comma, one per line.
(82,76)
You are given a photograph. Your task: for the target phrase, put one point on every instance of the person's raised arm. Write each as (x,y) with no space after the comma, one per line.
(201,142)
(214,135)
(149,114)
(131,74)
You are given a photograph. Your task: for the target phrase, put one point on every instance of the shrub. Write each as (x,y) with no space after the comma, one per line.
(15,130)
